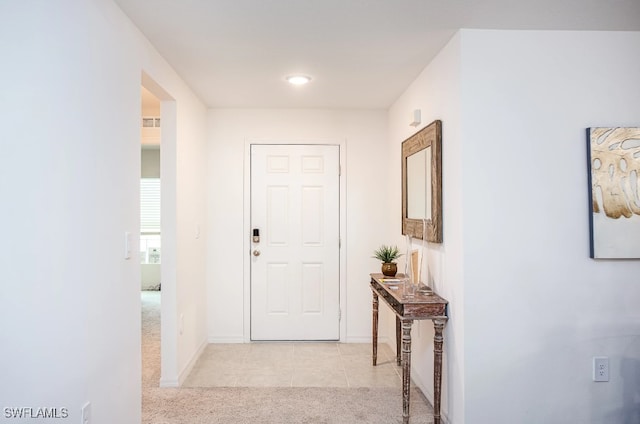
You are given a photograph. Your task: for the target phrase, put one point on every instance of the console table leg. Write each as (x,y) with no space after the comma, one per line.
(406,368)
(398,341)
(438,325)
(374,342)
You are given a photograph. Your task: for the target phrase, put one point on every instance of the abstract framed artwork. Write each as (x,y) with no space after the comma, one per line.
(614,196)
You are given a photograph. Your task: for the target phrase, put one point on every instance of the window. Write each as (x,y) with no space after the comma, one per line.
(150,220)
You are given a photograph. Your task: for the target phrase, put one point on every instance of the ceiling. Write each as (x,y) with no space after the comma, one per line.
(360,53)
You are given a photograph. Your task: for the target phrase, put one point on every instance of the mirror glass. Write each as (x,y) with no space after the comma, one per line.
(419,184)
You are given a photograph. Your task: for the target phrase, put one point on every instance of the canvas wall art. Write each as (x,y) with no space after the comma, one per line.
(614,196)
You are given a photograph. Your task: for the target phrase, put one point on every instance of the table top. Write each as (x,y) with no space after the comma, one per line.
(420,306)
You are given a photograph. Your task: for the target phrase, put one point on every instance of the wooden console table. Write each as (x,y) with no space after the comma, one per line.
(407,309)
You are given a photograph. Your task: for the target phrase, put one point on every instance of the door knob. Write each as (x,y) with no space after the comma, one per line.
(256,253)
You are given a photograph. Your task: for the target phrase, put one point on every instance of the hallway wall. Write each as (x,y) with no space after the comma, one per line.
(436,93)
(529,309)
(364,132)
(69,182)
(531,291)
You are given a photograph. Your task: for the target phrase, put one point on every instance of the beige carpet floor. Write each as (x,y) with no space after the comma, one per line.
(239,405)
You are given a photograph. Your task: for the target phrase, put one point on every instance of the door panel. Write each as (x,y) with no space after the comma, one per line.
(312,222)
(277,299)
(295,204)
(278,216)
(312,288)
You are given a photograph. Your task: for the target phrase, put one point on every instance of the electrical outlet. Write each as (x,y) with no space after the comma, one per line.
(600,368)
(86,413)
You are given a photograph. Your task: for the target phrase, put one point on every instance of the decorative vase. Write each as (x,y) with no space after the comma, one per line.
(389,269)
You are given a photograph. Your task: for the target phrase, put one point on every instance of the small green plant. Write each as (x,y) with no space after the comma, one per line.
(387,254)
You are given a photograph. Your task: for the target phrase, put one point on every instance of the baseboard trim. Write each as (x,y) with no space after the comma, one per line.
(361,339)
(182,376)
(216,339)
(356,339)
(169,383)
(427,391)
(386,340)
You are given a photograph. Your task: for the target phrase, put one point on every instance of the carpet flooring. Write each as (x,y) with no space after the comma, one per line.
(270,405)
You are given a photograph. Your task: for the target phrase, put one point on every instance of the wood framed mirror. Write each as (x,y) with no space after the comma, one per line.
(422,184)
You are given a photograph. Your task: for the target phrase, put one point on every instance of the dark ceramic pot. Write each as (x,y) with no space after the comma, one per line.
(390,269)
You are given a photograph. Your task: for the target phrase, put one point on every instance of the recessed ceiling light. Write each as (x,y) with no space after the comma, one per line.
(298,79)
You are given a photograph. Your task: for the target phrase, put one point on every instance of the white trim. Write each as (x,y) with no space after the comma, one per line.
(361,339)
(182,376)
(223,340)
(169,242)
(170,382)
(168,270)
(342,144)
(427,391)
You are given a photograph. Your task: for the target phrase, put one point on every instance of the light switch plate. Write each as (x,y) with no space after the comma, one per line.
(127,245)
(86,413)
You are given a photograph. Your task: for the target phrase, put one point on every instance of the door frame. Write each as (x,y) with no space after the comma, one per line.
(246,243)
(169,373)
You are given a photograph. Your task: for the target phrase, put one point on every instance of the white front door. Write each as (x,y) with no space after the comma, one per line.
(295,267)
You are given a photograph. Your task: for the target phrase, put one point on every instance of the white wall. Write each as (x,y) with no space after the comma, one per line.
(191,225)
(537,309)
(67,338)
(150,162)
(364,133)
(528,308)
(436,92)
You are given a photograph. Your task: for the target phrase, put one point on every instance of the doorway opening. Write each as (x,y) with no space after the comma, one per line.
(159,247)
(150,234)
(150,237)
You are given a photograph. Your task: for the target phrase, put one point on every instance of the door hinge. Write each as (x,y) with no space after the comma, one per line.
(339,314)
(339,243)
(339,170)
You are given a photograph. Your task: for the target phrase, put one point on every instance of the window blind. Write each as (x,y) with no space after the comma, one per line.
(150,205)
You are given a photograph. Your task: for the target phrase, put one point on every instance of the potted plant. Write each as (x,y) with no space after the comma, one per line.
(388,254)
